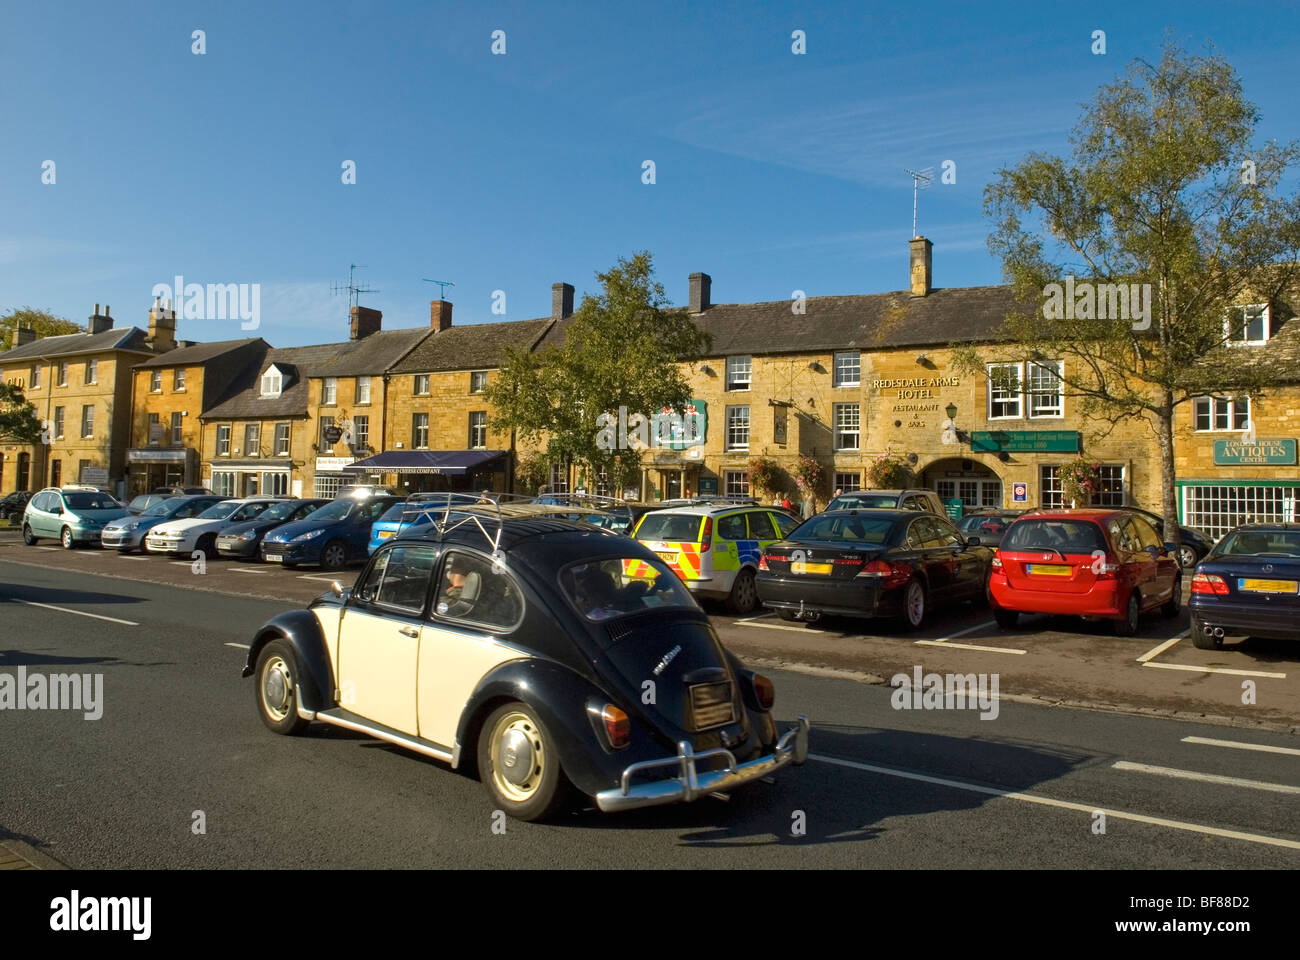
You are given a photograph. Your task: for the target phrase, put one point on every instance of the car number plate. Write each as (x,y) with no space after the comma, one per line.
(1049,569)
(667,557)
(802,566)
(385,534)
(1267,586)
(275,558)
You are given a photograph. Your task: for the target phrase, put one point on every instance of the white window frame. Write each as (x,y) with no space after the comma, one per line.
(176,428)
(420,380)
(1051,496)
(480,426)
(360,437)
(223,440)
(282,448)
(61,377)
(92,371)
(1057,367)
(59,419)
(735,483)
(272,382)
(843,429)
(995,395)
(483,374)
(223,483)
(847,369)
(87,434)
(363,390)
(1228,404)
(735,367)
(1245,308)
(253,439)
(329,391)
(178,380)
(415,431)
(36,377)
(847,481)
(732,412)
(155,381)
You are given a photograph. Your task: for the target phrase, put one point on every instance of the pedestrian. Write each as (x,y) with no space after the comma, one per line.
(838,491)
(808,509)
(786,503)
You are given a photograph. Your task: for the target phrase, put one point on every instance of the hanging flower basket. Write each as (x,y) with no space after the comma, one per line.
(764,476)
(1080,481)
(807,474)
(887,472)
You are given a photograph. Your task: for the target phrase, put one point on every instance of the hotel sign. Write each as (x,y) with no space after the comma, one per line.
(1025,441)
(332,464)
(1259,453)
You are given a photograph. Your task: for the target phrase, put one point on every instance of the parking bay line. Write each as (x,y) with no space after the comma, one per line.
(316,576)
(1162,647)
(1235,673)
(80,613)
(968,646)
(1204,777)
(1239,745)
(1061,804)
(777,626)
(241,646)
(247,570)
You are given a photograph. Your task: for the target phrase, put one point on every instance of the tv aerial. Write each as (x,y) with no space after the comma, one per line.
(352,289)
(921,180)
(442,286)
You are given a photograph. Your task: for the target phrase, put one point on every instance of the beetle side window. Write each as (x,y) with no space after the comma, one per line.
(399,578)
(471,589)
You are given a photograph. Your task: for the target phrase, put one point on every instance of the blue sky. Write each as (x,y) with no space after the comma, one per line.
(774,172)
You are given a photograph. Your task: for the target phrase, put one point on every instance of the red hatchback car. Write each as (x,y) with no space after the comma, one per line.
(1087,563)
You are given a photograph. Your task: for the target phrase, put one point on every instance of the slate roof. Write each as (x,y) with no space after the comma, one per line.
(71,344)
(869,321)
(472,346)
(196,353)
(372,355)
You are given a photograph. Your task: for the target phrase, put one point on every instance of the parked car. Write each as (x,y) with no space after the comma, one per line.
(1195,543)
(516,645)
(178,490)
(333,536)
(715,546)
(926,500)
(988,524)
(1249,585)
(200,532)
(243,540)
(139,504)
(74,514)
(872,563)
(128,533)
(14,504)
(415,509)
(1088,563)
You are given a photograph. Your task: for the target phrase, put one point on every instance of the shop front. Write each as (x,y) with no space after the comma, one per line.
(254,477)
(149,468)
(433,471)
(1237,493)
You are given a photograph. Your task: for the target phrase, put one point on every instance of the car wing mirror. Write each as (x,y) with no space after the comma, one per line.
(973,542)
(336,589)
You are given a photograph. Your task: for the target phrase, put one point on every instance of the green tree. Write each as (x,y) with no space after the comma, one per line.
(45,323)
(621,349)
(1167,190)
(18,421)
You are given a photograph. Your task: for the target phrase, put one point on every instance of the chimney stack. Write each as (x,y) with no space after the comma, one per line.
(921,276)
(99,322)
(440,314)
(162,327)
(561,300)
(23,335)
(365,322)
(700,290)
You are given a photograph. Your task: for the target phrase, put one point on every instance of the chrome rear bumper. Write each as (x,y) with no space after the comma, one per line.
(689,784)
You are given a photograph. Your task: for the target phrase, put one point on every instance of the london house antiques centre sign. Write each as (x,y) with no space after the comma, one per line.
(1261,452)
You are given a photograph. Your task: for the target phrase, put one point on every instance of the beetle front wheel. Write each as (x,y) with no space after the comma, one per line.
(277,693)
(519,766)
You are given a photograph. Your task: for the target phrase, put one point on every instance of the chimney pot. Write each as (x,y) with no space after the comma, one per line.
(701,284)
(440,314)
(561,300)
(23,335)
(922,280)
(99,322)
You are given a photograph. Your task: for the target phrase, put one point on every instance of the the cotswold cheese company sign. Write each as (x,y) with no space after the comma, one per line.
(1261,452)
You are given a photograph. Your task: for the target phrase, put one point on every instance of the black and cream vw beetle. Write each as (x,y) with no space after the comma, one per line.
(547,653)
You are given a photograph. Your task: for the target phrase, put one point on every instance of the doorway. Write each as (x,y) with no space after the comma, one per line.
(24,471)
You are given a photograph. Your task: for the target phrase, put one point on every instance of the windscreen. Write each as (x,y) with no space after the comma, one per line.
(160,509)
(219,511)
(336,510)
(90,501)
(849,501)
(279,511)
(1065,536)
(1260,543)
(615,587)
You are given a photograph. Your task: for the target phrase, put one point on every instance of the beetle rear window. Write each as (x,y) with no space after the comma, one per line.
(669,526)
(614,587)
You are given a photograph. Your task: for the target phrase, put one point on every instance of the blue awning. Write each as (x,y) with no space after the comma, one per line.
(449,462)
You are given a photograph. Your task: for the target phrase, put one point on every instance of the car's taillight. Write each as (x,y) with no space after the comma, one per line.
(1209,583)
(1103,568)
(876,568)
(707,536)
(997,562)
(617,726)
(765,691)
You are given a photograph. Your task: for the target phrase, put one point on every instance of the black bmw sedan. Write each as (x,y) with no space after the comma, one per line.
(242,539)
(1249,585)
(872,563)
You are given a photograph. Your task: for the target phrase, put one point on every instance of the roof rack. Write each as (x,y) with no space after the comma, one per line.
(486,513)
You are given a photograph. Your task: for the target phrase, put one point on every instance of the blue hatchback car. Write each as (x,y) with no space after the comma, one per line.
(334,536)
(1248,584)
(416,509)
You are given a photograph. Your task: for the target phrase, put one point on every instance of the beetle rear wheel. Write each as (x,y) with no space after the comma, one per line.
(519,766)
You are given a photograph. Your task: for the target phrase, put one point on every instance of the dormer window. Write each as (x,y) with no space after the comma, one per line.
(1249,324)
(272,382)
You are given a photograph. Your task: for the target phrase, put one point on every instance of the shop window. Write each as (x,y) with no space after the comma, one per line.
(1217,509)
(848,482)
(735,483)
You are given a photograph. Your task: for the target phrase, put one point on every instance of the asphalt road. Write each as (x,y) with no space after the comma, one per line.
(885,788)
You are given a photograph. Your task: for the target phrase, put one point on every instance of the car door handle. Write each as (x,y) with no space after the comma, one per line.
(409,632)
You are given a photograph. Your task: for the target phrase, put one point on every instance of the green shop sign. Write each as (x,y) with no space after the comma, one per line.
(679,431)
(1259,453)
(1025,441)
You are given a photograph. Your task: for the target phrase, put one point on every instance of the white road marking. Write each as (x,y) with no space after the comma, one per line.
(968,646)
(777,626)
(316,576)
(1235,673)
(759,617)
(49,548)
(246,570)
(181,563)
(962,633)
(1062,804)
(127,556)
(1162,647)
(1204,777)
(80,613)
(1238,745)
(241,646)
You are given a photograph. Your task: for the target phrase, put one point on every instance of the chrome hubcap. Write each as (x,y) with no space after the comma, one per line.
(518,756)
(277,688)
(915,603)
